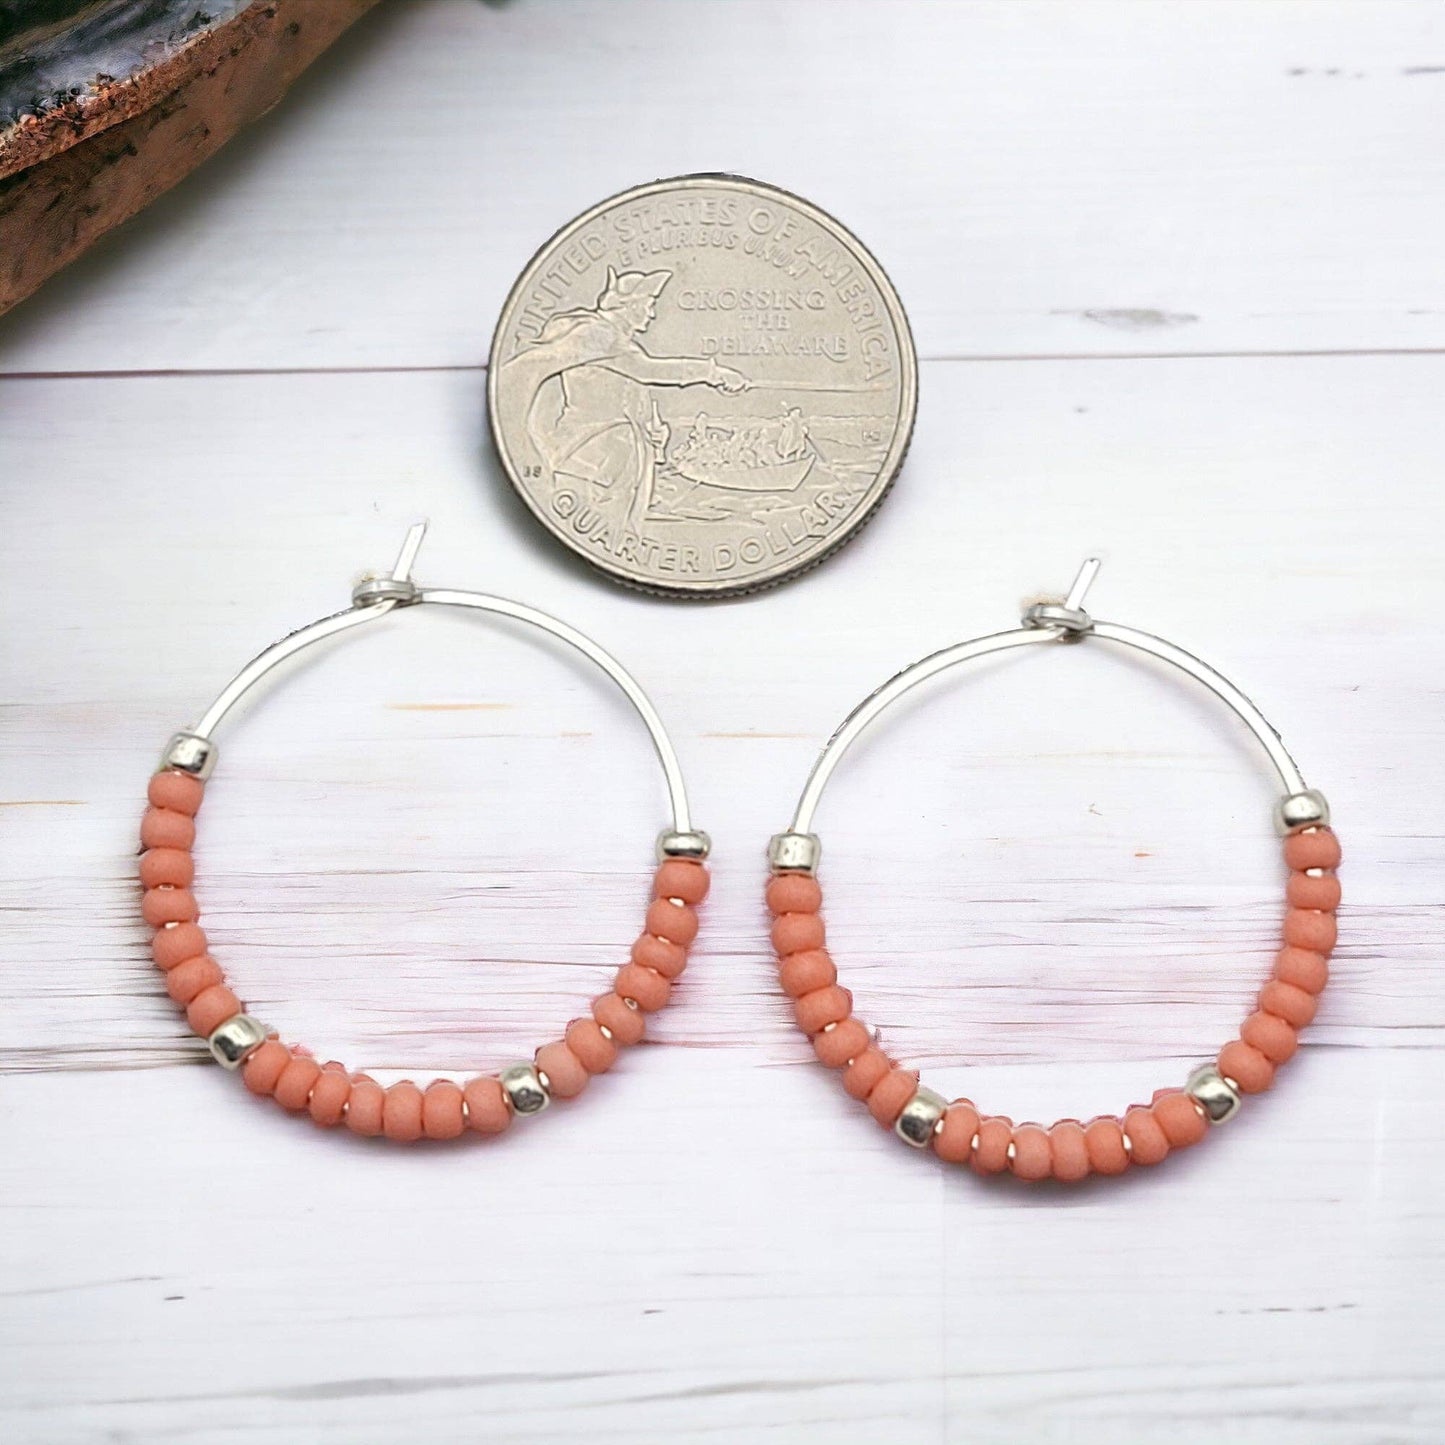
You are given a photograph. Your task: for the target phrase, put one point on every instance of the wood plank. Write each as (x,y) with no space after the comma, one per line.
(1101,178)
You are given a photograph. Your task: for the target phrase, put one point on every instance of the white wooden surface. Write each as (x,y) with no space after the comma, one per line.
(1176,277)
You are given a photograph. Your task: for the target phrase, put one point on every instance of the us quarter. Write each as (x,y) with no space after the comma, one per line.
(704,386)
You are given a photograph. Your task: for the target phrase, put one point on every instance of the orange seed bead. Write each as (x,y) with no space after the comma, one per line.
(1030,1149)
(627,1025)
(990,1153)
(1302,967)
(166,828)
(1318,848)
(822,1007)
(160,906)
(797,932)
(890,1094)
(366,1108)
(1104,1140)
(441,1110)
(293,1088)
(804,972)
(172,866)
(668,920)
(1305,891)
(566,1078)
(329,1095)
(862,1075)
(179,792)
(1306,929)
(844,1041)
(401,1112)
(171,946)
(211,1008)
(260,1072)
(660,955)
(1148,1142)
(793,893)
(1180,1118)
(1285,1001)
(953,1140)
(646,987)
(487,1111)
(193,976)
(681,878)
(597,1052)
(1069,1151)
(1245,1067)
(1272,1036)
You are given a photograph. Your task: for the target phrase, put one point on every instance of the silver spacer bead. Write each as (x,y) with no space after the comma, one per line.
(236,1040)
(794,852)
(190,753)
(525,1092)
(1297,811)
(694,844)
(1213,1093)
(920,1118)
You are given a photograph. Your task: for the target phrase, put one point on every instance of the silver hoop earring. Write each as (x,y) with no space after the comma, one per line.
(1069,1149)
(330,1093)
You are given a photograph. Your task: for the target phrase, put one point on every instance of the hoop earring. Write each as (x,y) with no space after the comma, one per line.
(329,1093)
(1070,1149)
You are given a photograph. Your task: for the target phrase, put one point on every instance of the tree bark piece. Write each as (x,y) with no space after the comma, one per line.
(77,158)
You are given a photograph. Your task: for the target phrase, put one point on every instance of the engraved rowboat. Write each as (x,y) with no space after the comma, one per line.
(770,477)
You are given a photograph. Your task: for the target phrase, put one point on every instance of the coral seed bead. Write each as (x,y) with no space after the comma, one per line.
(366,1109)
(597,1052)
(1245,1067)
(627,1025)
(674,922)
(805,972)
(1147,1140)
(844,1041)
(822,1007)
(401,1112)
(166,828)
(793,893)
(1302,967)
(1069,1151)
(795,932)
(1181,1119)
(953,1138)
(260,1072)
(679,878)
(1318,848)
(566,1077)
(211,1008)
(487,1111)
(890,1094)
(167,867)
(160,906)
(1272,1036)
(647,988)
(1294,1005)
(1306,929)
(991,1144)
(171,946)
(1031,1156)
(1304,890)
(293,1088)
(179,792)
(1104,1141)
(193,976)
(861,1076)
(441,1110)
(329,1096)
(660,955)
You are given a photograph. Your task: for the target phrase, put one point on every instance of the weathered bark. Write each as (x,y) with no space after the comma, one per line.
(77,159)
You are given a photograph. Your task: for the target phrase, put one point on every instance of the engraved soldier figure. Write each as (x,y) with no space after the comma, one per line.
(591,415)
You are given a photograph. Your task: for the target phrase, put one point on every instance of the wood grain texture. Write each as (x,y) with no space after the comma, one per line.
(1051,881)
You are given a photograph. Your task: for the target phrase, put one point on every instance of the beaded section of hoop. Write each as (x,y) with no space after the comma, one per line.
(330,1094)
(1071,1149)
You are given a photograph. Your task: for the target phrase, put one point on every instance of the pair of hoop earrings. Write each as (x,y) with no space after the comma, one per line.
(956,1131)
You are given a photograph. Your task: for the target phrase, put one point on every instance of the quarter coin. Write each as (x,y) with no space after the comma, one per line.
(704,386)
